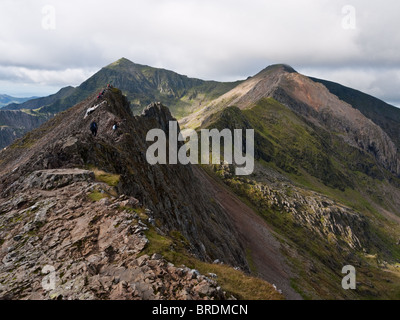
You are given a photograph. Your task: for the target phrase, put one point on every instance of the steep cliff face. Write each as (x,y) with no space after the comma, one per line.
(8,135)
(315,102)
(178,201)
(381,113)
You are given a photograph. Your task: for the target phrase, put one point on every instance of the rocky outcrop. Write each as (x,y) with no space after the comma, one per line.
(160,113)
(321,216)
(53,179)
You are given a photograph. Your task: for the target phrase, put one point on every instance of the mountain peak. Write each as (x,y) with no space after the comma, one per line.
(278,68)
(123,62)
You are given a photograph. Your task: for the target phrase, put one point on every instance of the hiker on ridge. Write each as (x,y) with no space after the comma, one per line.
(115,127)
(93,128)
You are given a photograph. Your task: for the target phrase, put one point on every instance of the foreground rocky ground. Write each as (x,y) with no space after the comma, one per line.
(64,221)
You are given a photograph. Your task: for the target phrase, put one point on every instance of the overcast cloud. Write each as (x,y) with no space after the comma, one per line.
(210,39)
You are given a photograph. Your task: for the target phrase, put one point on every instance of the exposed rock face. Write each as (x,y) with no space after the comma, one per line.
(178,201)
(323,217)
(317,104)
(320,215)
(160,113)
(92,248)
(52,179)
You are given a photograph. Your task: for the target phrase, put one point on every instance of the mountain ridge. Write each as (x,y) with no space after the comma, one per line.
(104,231)
(380,112)
(142,84)
(186,95)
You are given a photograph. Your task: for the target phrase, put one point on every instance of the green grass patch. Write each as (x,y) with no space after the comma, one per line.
(24,143)
(97,196)
(110,179)
(240,285)
(250,261)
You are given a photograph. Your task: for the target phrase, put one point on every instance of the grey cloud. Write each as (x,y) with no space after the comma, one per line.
(220,40)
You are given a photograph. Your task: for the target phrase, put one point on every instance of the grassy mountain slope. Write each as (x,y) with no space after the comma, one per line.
(311,101)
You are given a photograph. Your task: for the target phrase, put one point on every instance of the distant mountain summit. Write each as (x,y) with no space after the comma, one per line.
(323,102)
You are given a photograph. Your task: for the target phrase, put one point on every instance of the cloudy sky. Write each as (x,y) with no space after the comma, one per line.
(46,45)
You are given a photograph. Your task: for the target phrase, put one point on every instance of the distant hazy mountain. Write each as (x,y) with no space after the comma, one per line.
(6,100)
(38,103)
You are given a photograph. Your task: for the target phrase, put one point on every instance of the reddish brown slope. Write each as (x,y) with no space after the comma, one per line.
(255,235)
